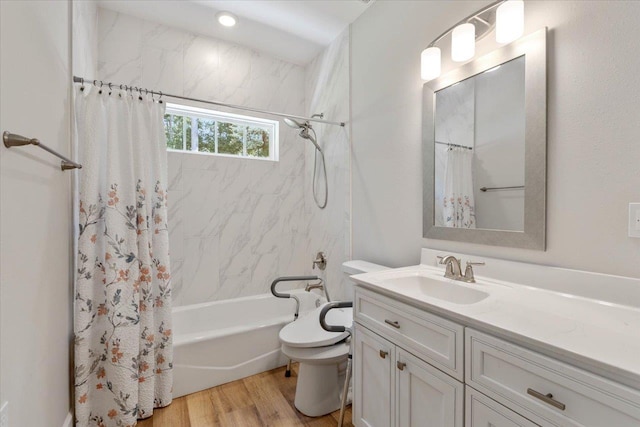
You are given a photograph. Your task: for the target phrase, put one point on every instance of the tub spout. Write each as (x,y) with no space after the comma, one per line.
(319,285)
(311,286)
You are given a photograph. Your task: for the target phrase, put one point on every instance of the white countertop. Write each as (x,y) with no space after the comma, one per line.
(599,336)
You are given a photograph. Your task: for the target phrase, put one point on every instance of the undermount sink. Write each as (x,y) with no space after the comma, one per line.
(443,290)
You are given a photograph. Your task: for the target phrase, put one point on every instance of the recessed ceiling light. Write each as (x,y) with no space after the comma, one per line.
(227,19)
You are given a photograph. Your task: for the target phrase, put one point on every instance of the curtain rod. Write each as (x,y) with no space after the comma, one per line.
(454,145)
(100,83)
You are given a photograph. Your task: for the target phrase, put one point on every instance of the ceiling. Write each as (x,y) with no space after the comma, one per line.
(292,30)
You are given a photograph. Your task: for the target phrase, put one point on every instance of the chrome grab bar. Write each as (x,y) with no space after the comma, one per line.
(290,279)
(325,310)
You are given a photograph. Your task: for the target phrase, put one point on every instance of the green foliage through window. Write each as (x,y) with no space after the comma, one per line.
(207,131)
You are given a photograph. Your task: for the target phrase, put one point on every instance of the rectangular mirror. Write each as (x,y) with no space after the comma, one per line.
(484,148)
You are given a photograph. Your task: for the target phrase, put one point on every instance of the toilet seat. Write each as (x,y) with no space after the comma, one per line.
(317,355)
(306,332)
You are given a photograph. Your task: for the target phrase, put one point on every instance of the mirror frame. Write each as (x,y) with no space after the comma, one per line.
(534,48)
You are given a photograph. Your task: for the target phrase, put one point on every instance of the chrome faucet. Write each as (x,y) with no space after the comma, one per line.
(319,285)
(453,269)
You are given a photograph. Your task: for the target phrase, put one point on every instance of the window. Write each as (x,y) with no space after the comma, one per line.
(212,132)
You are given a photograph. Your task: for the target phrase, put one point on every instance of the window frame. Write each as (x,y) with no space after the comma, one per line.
(271,126)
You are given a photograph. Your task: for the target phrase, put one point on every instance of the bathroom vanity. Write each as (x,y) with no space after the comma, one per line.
(431,351)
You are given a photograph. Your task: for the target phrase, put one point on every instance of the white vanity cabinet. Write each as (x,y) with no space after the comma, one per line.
(395,386)
(545,390)
(480,411)
(374,380)
(426,396)
(413,368)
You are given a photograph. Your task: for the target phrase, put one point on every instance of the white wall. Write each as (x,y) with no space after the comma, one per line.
(35,224)
(593,149)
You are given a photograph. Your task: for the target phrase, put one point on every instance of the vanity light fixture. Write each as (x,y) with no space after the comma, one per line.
(463,42)
(227,19)
(506,16)
(430,63)
(509,21)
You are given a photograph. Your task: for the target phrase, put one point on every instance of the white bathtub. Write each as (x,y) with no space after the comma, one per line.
(223,341)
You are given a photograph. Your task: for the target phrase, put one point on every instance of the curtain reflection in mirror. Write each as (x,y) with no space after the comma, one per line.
(458,206)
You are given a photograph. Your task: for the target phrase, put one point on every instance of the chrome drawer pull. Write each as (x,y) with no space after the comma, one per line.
(383,354)
(393,323)
(546,398)
(401,365)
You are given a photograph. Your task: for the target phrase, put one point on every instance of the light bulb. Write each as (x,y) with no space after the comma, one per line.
(430,63)
(227,19)
(509,21)
(463,42)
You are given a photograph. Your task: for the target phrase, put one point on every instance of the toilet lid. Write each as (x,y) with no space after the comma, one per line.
(307,332)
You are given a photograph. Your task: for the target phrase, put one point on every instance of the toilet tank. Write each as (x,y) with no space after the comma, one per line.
(355,266)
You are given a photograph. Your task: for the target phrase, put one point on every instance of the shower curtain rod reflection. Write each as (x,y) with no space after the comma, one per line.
(454,145)
(100,83)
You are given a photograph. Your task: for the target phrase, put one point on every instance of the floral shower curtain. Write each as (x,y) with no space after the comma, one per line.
(458,203)
(122,322)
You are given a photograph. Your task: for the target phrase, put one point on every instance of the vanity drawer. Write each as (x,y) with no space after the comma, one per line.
(522,379)
(434,339)
(480,411)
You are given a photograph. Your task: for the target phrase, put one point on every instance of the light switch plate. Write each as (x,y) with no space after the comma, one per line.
(4,415)
(634,220)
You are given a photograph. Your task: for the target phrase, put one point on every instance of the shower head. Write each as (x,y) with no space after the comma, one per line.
(295,124)
(304,130)
(306,133)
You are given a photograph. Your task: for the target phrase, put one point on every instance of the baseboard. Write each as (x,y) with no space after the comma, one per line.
(68,422)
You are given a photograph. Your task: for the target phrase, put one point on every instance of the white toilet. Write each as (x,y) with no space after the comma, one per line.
(322,355)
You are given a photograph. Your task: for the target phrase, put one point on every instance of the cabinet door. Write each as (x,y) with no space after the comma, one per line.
(425,396)
(481,411)
(374,358)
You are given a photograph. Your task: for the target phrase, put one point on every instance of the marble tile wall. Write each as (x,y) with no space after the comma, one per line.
(327,91)
(235,223)
(85,38)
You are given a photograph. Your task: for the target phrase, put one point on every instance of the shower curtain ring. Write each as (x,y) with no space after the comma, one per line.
(82,84)
(160,98)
